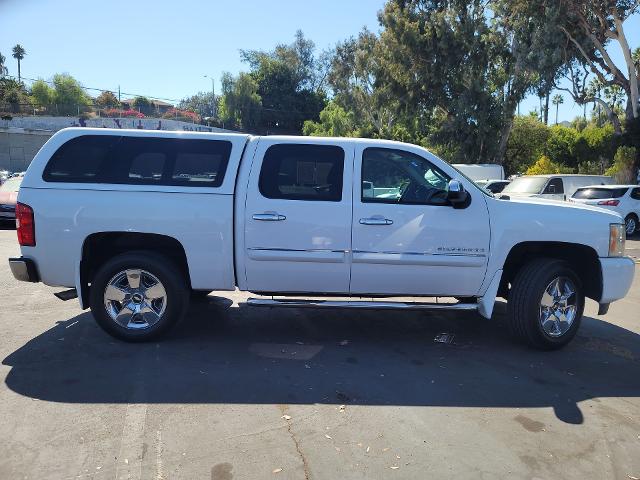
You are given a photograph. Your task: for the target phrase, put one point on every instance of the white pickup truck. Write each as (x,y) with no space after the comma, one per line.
(138,222)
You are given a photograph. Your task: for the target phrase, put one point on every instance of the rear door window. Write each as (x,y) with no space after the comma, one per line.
(302,172)
(635,194)
(599,193)
(140,160)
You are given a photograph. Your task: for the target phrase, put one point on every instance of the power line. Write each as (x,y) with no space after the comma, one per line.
(99,89)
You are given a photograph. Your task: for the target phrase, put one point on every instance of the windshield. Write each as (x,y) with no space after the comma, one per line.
(526,185)
(11,185)
(599,193)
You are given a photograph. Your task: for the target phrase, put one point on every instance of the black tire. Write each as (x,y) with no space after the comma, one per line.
(524,305)
(173,281)
(631,218)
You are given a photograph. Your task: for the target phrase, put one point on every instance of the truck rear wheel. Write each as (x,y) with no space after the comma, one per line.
(138,296)
(545,304)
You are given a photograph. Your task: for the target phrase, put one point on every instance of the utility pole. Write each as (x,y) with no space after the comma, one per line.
(213,97)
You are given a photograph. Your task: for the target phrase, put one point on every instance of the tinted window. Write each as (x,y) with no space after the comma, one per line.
(598,193)
(635,194)
(140,160)
(302,172)
(396,176)
(80,159)
(554,186)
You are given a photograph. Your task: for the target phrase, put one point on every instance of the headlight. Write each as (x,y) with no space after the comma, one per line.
(617,237)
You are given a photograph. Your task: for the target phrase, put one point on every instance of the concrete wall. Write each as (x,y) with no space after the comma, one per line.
(53,124)
(18,147)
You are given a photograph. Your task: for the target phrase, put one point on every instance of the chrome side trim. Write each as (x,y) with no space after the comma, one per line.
(416,258)
(290,255)
(297,303)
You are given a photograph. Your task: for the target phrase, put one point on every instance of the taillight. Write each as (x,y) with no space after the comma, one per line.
(25,225)
(609,203)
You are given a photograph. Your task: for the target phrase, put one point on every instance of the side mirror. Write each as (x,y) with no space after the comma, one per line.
(457,195)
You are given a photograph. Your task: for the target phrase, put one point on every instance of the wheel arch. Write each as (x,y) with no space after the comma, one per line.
(100,247)
(583,259)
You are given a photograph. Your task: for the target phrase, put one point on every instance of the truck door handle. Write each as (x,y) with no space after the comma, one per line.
(269,217)
(376,221)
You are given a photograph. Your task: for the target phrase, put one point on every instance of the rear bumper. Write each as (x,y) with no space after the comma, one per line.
(24,269)
(617,276)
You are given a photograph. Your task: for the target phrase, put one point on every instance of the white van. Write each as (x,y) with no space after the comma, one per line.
(552,187)
(481,171)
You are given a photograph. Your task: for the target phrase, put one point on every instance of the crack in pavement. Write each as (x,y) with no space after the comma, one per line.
(305,464)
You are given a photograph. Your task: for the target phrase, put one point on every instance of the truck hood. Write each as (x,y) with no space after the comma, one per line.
(539,220)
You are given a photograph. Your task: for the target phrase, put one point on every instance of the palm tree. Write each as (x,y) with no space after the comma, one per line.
(18,53)
(3,68)
(557,100)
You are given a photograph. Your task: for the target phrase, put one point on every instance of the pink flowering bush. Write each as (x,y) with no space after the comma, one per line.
(184,115)
(117,113)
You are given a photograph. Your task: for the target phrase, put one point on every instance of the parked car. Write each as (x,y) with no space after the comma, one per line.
(135,222)
(481,171)
(493,186)
(4,174)
(8,195)
(552,187)
(622,199)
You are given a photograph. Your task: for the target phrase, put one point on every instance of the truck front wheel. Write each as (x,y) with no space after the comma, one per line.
(138,296)
(545,304)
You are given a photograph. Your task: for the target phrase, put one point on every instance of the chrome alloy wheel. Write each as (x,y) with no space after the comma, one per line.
(630,225)
(558,307)
(135,299)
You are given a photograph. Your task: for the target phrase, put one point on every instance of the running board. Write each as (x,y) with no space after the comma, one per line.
(296,303)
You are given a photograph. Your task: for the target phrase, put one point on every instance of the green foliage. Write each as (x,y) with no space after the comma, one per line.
(623,165)
(43,95)
(526,143)
(561,144)
(288,89)
(13,96)
(334,121)
(545,166)
(595,144)
(143,105)
(69,95)
(107,99)
(202,103)
(241,105)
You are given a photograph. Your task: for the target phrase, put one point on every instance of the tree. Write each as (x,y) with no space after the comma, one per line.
(202,103)
(526,143)
(42,93)
(240,105)
(69,97)
(289,85)
(143,105)
(13,96)
(544,166)
(19,53)
(623,166)
(561,144)
(557,100)
(107,99)
(3,67)
(588,27)
(334,121)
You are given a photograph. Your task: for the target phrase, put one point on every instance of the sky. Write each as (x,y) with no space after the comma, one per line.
(164,49)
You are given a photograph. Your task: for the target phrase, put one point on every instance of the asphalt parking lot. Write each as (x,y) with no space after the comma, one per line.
(237,393)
